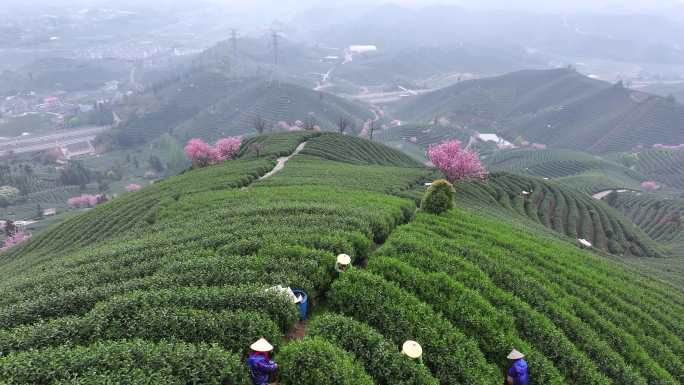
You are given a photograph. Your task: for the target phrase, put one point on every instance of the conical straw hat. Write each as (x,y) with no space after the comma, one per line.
(412,349)
(515,355)
(261,346)
(343,259)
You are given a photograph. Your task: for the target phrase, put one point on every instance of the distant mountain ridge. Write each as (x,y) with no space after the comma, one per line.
(560,108)
(211,105)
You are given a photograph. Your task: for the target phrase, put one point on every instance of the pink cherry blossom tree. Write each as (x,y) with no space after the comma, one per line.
(15,239)
(650,186)
(204,154)
(228,148)
(133,187)
(455,162)
(201,153)
(86,200)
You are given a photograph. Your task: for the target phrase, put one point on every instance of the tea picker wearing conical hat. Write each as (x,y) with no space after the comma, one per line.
(517,372)
(342,263)
(260,364)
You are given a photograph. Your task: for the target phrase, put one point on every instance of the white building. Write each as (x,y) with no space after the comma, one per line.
(501,142)
(361,49)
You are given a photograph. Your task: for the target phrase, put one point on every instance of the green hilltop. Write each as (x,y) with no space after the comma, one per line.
(560,108)
(169,284)
(212,104)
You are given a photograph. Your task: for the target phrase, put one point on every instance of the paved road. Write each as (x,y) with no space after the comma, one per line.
(26,144)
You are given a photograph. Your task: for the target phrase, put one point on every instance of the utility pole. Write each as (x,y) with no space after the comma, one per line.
(233,42)
(275,37)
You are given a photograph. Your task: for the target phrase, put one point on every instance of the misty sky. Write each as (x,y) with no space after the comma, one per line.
(531,5)
(298,5)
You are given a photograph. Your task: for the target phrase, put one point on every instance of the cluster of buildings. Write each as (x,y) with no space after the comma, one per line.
(26,103)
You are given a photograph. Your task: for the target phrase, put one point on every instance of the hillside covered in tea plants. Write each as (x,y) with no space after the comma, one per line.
(561,108)
(168,284)
(560,208)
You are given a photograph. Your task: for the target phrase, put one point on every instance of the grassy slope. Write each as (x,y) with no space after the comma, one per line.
(558,107)
(466,287)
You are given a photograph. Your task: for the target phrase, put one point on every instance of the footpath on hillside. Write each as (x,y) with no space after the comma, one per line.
(282,160)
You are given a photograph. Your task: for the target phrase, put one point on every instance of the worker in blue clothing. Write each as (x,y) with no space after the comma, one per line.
(260,364)
(517,372)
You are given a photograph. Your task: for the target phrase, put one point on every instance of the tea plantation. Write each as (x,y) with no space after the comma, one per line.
(169,284)
(577,169)
(662,165)
(659,217)
(560,208)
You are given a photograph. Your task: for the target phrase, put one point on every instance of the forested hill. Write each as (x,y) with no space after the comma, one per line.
(168,284)
(560,108)
(212,104)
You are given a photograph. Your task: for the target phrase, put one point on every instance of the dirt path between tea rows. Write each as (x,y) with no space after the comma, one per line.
(282,161)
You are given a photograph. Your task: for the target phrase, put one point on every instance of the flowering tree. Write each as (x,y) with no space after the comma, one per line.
(86,200)
(204,154)
(133,187)
(456,163)
(650,186)
(228,148)
(201,153)
(15,239)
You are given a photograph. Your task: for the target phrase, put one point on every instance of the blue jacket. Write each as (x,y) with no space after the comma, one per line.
(260,368)
(518,372)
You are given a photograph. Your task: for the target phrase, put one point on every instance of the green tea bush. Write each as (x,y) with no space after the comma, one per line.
(314,171)
(136,361)
(413,245)
(439,197)
(400,316)
(535,281)
(233,330)
(470,312)
(248,297)
(356,150)
(315,361)
(557,207)
(381,358)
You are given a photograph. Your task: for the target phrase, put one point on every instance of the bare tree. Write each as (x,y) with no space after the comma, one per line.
(343,123)
(310,123)
(256,148)
(260,125)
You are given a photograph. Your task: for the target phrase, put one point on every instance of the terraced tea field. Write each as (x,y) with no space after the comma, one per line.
(660,217)
(664,166)
(169,284)
(562,209)
(576,169)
